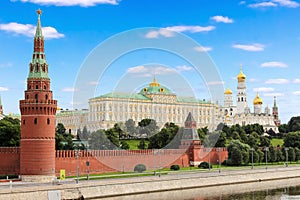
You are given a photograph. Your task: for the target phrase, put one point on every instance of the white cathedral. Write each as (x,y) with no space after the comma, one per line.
(241,113)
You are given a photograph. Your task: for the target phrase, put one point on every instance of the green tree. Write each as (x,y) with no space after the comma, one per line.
(294,124)
(264,141)
(292,139)
(9,132)
(216,139)
(297,152)
(124,145)
(148,127)
(236,156)
(243,152)
(142,144)
(98,140)
(260,155)
(130,127)
(63,140)
(279,155)
(273,157)
(292,154)
(283,128)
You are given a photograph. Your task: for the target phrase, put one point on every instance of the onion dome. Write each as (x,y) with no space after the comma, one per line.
(155,88)
(257,100)
(241,76)
(228,91)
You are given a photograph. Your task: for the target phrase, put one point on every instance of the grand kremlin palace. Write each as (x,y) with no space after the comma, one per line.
(159,103)
(153,102)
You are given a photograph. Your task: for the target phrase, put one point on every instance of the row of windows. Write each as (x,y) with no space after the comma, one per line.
(35,121)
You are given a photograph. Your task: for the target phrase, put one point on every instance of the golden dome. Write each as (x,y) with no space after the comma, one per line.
(228,91)
(241,76)
(58,108)
(154,83)
(257,100)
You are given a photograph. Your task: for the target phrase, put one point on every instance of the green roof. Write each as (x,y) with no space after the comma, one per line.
(71,112)
(155,90)
(190,100)
(123,96)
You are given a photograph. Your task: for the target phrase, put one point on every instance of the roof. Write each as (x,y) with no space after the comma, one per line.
(123,96)
(241,76)
(228,91)
(190,118)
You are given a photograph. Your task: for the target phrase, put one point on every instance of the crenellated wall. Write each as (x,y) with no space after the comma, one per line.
(102,161)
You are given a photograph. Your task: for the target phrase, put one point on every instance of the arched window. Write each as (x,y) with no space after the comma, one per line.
(23,121)
(36,97)
(37,87)
(46,96)
(35,120)
(48,121)
(45,87)
(242,99)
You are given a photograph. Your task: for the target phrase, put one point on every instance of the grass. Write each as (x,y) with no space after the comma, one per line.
(133,144)
(275,142)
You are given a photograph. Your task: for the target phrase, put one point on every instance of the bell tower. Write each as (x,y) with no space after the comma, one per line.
(38,109)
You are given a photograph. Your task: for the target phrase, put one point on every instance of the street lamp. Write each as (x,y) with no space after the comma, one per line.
(286,156)
(267,149)
(219,150)
(77,166)
(209,158)
(252,149)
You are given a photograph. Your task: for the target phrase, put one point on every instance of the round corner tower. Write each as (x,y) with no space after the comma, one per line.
(38,111)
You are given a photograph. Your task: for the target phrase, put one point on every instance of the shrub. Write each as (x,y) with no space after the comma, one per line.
(204,165)
(175,167)
(140,168)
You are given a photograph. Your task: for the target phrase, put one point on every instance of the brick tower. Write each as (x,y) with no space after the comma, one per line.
(190,140)
(37,157)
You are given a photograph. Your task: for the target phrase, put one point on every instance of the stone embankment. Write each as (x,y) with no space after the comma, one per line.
(119,188)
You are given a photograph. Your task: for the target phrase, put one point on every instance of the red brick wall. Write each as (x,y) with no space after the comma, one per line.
(102,161)
(9,160)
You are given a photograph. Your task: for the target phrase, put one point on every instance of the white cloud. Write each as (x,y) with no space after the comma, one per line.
(250,47)
(263,89)
(137,70)
(277,94)
(82,3)
(296,93)
(223,19)
(216,83)
(242,2)
(29,30)
(69,89)
(274,64)
(161,32)
(277,81)
(275,3)
(184,68)
(287,3)
(191,29)
(3,65)
(169,31)
(203,49)
(143,71)
(253,80)
(262,4)
(3,89)
(296,80)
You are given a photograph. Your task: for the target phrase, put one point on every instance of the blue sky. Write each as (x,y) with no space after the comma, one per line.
(263,36)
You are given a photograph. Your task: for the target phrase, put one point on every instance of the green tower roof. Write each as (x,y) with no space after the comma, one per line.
(38,65)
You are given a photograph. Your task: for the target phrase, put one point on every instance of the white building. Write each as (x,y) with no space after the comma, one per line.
(241,114)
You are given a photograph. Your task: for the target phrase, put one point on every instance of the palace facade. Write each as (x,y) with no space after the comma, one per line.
(153,102)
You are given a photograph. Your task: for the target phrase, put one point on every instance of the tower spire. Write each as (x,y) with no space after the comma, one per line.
(38,64)
(1,109)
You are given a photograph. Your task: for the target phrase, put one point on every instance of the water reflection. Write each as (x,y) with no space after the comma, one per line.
(268,190)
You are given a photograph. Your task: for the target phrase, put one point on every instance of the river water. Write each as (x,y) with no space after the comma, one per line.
(273,190)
